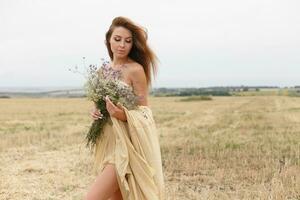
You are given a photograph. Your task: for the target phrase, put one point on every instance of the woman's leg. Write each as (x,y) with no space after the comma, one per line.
(116,196)
(105,185)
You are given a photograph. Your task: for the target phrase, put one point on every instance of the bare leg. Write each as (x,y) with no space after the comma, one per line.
(116,196)
(105,185)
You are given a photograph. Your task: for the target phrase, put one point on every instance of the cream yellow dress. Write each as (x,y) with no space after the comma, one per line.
(133,147)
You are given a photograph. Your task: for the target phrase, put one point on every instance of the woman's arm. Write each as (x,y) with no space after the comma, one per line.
(120,114)
(139,83)
(115,110)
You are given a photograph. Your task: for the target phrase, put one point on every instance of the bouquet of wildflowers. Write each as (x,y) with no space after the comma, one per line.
(101,82)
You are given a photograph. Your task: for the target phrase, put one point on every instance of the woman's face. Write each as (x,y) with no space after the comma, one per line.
(121,42)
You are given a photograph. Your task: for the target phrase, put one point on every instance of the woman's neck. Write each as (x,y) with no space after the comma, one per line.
(119,61)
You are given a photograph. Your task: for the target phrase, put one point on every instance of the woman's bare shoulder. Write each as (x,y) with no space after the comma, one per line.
(135,67)
(135,70)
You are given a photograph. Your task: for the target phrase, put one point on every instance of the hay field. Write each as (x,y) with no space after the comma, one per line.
(227,148)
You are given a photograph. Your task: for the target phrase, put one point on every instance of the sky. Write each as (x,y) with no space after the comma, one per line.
(199,43)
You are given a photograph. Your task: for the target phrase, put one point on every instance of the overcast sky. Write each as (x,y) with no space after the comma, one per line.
(199,43)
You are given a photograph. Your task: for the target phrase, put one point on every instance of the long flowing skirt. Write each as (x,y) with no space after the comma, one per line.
(133,147)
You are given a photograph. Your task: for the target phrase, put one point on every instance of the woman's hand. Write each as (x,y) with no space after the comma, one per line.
(115,110)
(96,113)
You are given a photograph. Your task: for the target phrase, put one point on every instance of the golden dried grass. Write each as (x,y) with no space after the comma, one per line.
(227,148)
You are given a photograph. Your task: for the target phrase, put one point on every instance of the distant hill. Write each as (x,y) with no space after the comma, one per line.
(162,91)
(41,92)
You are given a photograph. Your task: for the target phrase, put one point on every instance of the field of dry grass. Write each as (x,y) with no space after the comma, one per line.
(226,148)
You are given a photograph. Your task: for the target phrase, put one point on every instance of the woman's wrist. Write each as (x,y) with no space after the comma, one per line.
(120,114)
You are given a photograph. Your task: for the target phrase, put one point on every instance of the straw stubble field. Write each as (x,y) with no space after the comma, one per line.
(227,148)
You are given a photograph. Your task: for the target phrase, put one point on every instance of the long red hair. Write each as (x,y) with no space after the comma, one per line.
(140,51)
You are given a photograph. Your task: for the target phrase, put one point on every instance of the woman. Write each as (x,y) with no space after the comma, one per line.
(127,155)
